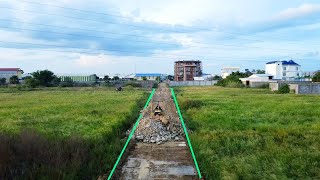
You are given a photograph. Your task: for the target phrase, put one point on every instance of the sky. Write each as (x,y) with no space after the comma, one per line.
(127,36)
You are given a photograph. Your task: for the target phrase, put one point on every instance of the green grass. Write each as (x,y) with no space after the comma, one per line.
(86,122)
(253,133)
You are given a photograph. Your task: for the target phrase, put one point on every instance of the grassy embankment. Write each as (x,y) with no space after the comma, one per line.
(66,133)
(253,133)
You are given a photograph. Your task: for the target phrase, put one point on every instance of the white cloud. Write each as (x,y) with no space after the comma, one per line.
(94,60)
(303,10)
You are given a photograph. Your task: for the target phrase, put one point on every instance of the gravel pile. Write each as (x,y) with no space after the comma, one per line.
(153,131)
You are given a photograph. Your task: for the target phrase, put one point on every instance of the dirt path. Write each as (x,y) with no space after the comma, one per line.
(160,151)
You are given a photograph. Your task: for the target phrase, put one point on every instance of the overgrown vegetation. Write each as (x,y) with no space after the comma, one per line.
(253,133)
(316,77)
(284,89)
(64,134)
(233,80)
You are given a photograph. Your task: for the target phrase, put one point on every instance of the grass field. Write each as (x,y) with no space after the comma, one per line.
(67,133)
(253,133)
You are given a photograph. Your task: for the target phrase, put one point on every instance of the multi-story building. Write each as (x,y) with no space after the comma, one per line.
(285,70)
(9,72)
(187,70)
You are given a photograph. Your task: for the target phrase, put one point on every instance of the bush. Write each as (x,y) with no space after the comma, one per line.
(284,89)
(232,84)
(66,84)
(233,80)
(188,104)
(133,84)
(316,77)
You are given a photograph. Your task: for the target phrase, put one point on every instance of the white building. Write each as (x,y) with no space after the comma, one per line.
(148,76)
(9,72)
(285,70)
(257,80)
(226,71)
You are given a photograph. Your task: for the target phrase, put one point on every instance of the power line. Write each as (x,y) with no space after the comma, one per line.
(117,23)
(107,32)
(148,42)
(112,50)
(93,20)
(123,17)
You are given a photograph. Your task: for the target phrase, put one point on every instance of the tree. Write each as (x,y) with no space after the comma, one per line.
(14,80)
(106,78)
(258,71)
(56,81)
(233,79)
(44,78)
(31,82)
(3,81)
(171,78)
(158,78)
(248,73)
(316,77)
(115,78)
(144,78)
(217,78)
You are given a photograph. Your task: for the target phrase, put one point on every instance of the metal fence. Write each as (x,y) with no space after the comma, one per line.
(192,83)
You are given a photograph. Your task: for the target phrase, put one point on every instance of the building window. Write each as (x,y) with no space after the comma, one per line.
(298,74)
(284,74)
(284,68)
(297,68)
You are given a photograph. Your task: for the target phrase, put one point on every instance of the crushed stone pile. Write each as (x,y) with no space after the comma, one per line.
(154,131)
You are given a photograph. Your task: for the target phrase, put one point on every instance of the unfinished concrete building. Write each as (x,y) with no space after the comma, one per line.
(187,70)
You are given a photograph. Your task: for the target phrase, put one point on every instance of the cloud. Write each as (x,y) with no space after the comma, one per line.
(151,36)
(93,60)
(301,11)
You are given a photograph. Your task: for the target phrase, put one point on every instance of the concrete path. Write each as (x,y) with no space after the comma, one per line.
(168,160)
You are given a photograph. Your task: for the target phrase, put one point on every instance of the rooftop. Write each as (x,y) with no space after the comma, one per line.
(148,74)
(291,62)
(10,69)
(188,61)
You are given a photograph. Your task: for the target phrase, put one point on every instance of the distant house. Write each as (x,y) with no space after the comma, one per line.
(257,80)
(9,72)
(204,77)
(284,70)
(149,76)
(226,71)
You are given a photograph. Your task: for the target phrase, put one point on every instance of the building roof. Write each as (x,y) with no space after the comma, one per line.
(148,74)
(261,75)
(10,69)
(188,61)
(291,62)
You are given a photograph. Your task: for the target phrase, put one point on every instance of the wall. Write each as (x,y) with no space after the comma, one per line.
(313,88)
(9,74)
(192,83)
(258,84)
(298,87)
(275,70)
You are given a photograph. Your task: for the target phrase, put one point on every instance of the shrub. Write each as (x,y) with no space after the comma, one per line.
(232,84)
(188,104)
(284,89)
(233,80)
(316,77)
(133,84)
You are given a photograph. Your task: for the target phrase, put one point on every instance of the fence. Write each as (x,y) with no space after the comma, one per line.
(192,83)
